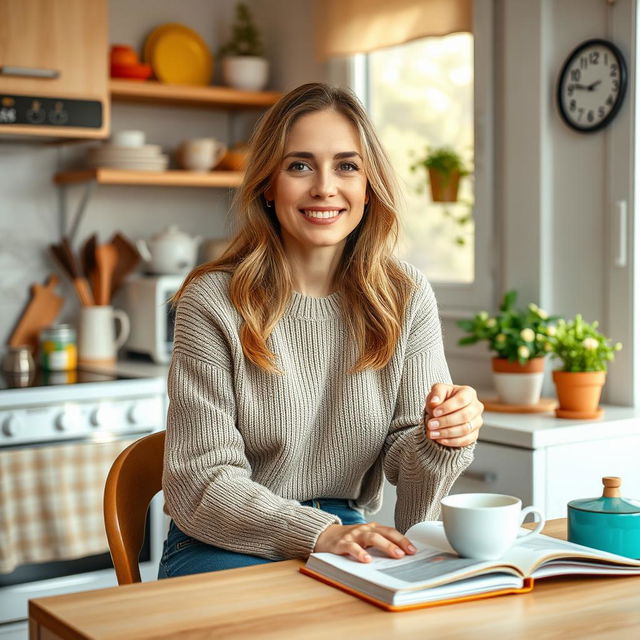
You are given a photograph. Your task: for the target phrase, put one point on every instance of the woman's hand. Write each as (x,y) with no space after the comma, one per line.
(453,415)
(352,540)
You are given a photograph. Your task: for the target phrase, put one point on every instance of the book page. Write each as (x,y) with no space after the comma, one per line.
(427,568)
(531,552)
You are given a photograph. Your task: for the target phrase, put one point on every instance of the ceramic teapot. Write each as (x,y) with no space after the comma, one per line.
(169,252)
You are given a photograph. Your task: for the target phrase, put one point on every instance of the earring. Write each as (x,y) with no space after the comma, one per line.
(269,203)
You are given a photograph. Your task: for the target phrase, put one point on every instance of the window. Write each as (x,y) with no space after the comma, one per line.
(437,91)
(420,95)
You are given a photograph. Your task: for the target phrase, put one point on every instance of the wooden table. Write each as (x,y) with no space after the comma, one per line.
(276,601)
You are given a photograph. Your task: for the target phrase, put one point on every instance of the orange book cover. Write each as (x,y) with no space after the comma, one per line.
(526,587)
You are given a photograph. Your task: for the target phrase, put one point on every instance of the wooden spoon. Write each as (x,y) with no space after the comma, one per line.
(88,261)
(128,259)
(106,263)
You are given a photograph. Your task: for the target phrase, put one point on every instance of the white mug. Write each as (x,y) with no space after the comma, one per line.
(98,340)
(200,154)
(485,525)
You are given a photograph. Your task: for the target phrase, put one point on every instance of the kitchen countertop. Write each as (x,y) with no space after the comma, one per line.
(537,430)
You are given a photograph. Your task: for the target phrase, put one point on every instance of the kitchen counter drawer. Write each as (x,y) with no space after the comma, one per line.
(498,469)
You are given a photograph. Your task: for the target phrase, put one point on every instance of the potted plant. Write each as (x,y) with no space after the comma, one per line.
(243,62)
(519,338)
(585,354)
(445,168)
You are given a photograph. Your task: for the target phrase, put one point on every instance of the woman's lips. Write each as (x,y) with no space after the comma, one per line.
(321,215)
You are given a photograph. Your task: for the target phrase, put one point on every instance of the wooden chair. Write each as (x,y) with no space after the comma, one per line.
(135,477)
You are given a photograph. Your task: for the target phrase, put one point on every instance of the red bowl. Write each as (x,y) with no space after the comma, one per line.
(123,54)
(131,71)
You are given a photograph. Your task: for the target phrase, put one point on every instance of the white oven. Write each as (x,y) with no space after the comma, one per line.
(58,438)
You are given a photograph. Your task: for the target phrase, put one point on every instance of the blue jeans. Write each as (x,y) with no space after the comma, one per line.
(184,555)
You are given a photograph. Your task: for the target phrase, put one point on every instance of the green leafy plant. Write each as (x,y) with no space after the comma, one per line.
(580,346)
(245,39)
(513,333)
(445,160)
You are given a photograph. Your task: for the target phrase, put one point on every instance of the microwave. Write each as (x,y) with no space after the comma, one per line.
(146,301)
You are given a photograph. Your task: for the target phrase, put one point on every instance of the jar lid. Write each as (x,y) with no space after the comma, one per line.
(61,331)
(609,502)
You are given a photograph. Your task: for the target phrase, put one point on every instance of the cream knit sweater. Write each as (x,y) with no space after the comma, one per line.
(245,447)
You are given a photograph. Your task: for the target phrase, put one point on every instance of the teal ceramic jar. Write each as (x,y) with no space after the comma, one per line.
(610,523)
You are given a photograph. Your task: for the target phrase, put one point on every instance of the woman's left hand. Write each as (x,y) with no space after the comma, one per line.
(453,415)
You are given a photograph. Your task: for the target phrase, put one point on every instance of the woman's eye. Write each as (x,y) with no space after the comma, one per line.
(298,166)
(348,166)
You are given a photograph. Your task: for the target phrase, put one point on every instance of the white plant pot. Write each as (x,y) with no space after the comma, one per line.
(518,388)
(245,72)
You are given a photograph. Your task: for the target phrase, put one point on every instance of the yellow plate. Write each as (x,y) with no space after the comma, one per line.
(149,43)
(178,55)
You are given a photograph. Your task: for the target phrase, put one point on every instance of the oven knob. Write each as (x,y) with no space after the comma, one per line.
(102,417)
(10,426)
(137,413)
(67,421)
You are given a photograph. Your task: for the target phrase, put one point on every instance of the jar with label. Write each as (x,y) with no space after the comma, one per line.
(58,349)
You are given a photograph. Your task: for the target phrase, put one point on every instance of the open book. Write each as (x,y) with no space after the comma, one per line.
(437,575)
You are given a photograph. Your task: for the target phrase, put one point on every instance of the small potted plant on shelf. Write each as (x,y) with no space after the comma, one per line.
(445,167)
(585,354)
(519,338)
(243,62)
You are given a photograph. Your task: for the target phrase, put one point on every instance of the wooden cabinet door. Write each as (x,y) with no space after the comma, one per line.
(69,37)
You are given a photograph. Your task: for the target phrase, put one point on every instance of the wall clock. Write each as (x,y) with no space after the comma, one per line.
(592,85)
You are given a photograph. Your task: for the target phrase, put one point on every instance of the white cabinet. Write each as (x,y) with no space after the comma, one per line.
(548,462)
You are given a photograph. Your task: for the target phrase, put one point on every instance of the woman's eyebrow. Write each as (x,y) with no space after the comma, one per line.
(307,154)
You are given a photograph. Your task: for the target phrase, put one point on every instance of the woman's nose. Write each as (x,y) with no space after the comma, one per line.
(324,184)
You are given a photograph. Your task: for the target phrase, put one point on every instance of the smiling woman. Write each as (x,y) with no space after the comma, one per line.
(308,361)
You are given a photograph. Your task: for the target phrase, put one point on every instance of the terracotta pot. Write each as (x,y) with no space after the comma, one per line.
(579,393)
(444,188)
(518,384)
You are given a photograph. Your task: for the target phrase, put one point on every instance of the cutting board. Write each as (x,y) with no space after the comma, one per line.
(41,312)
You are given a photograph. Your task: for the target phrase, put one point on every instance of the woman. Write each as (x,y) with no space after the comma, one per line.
(302,358)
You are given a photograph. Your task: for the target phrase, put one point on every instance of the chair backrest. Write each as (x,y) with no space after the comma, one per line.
(135,477)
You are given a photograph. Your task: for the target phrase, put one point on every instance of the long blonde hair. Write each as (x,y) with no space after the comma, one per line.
(370,282)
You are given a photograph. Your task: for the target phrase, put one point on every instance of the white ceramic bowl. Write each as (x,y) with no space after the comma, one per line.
(128,138)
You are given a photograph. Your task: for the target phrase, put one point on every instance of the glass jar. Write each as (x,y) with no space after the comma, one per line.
(58,349)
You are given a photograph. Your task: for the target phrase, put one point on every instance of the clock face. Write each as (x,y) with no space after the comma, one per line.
(592,85)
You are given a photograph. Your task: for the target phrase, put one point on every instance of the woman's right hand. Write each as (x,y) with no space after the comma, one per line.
(353,540)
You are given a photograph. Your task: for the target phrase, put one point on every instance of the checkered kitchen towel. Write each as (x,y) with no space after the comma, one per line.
(51,501)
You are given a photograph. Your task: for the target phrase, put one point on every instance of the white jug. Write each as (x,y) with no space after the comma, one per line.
(98,340)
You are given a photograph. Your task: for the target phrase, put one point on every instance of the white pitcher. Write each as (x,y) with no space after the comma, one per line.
(98,340)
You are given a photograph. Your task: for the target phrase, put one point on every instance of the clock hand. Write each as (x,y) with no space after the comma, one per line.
(593,85)
(581,86)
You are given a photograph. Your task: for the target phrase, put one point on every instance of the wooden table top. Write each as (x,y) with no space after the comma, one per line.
(277,601)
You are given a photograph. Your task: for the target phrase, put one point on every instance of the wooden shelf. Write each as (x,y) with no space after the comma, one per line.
(212,96)
(154,178)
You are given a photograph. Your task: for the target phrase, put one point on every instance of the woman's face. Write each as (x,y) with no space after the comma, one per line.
(320,188)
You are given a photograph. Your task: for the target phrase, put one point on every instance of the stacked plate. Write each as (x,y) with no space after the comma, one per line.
(147,157)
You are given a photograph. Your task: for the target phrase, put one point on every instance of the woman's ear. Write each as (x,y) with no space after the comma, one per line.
(268,194)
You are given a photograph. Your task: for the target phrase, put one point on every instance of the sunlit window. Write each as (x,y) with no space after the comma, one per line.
(420,95)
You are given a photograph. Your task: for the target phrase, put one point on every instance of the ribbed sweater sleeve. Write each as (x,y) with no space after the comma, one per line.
(422,470)
(207,478)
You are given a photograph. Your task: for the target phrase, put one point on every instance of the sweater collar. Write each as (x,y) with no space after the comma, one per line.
(301,306)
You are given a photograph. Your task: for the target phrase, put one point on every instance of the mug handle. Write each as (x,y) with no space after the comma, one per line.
(123,330)
(541,521)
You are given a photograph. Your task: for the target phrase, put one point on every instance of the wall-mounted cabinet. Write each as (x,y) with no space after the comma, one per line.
(53,68)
